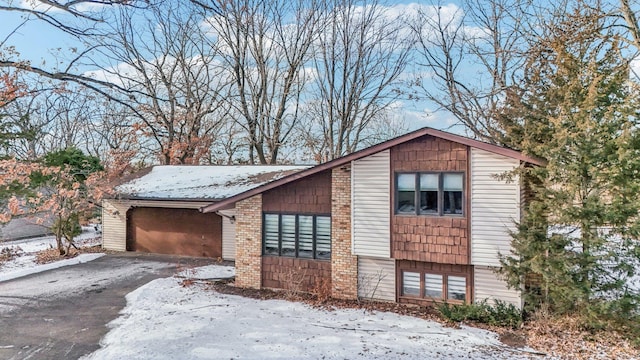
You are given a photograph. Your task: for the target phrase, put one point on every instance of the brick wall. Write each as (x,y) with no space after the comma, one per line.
(294,273)
(310,195)
(249,242)
(441,239)
(344,265)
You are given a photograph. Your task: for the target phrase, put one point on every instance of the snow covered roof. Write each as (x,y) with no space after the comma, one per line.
(189,182)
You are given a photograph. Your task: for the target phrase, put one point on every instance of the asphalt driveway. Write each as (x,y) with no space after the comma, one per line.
(62,313)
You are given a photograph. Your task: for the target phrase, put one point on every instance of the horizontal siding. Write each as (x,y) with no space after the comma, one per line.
(376,278)
(371,193)
(114,224)
(488,286)
(228,235)
(495,204)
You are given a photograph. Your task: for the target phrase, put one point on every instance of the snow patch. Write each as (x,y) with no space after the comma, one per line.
(82,258)
(163,320)
(203,182)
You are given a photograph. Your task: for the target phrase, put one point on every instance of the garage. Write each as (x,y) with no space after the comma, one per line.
(185,232)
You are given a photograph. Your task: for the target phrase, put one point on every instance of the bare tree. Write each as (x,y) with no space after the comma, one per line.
(360,57)
(266,46)
(472,55)
(161,55)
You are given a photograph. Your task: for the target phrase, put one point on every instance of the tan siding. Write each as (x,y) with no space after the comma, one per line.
(489,286)
(114,224)
(371,205)
(495,204)
(228,235)
(379,275)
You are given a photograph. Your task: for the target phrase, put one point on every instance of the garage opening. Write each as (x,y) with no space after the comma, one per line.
(174,231)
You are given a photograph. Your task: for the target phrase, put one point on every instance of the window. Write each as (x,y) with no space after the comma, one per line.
(429,193)
(434,286)
(304,236)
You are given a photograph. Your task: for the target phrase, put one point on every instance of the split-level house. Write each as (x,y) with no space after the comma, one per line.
(416,219)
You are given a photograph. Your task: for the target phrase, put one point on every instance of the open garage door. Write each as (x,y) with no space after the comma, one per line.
(174,231)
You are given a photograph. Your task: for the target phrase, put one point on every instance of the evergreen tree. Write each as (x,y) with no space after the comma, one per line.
(578,110)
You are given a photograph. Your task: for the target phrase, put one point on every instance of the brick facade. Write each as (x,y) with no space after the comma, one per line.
(440,239)
(294,273)
(249,242)
(344,265)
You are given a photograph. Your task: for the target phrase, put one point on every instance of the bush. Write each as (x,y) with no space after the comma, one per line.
(499,314)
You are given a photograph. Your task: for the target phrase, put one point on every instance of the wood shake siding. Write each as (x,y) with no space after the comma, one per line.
(436,239)
(294,273)
(311,195)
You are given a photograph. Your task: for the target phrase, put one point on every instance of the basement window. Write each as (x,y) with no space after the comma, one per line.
(430,286)
(297,235)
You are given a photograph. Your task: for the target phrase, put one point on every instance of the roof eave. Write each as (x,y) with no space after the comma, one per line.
(230,201)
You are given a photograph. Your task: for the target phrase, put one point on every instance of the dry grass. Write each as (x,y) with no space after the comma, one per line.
(51,255)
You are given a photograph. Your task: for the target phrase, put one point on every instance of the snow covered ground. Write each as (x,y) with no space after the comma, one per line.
(24,264)
(163,320)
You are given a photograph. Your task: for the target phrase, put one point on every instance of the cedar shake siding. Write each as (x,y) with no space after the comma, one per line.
(307,196)
(294,273)
(310,195)
(430,238)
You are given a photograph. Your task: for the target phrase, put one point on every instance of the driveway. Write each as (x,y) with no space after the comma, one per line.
(62,313)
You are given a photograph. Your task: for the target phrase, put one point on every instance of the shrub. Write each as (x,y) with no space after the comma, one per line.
(499,314)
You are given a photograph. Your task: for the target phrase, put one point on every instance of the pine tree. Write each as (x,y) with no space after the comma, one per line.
(578,110)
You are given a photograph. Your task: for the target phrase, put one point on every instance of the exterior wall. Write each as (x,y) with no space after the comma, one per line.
(249,242)
(114,224)
(371,212)
(344,265)
(310,195)
(435,268)
(228,235)
(495,204)
(294,273)
(441,239)
(489,286)
(376,278)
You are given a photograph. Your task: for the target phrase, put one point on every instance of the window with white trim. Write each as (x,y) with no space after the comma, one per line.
(430,193)
(297,235)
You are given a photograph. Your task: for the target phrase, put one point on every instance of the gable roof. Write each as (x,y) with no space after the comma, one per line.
(200,182)
(228,202)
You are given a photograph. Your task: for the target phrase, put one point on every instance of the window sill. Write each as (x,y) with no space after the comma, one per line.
(296,258)
(460,216)
(429,301)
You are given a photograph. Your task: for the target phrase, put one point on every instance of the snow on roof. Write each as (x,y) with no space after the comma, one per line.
(202,182)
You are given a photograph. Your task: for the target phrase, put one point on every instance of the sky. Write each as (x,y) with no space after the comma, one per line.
(43,45)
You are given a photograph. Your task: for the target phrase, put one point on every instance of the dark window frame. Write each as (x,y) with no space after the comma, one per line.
(445,286)
(297,236)
(417,195)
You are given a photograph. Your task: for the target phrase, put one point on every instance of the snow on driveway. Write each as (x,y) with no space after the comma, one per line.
(163,320)
(24,264)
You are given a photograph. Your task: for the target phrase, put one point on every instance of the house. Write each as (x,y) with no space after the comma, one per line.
(418,218)
(156,210)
